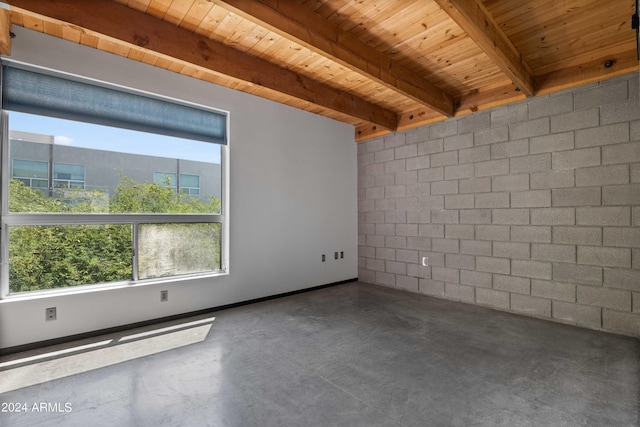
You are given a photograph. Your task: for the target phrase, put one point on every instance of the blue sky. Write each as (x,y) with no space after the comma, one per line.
(78,134)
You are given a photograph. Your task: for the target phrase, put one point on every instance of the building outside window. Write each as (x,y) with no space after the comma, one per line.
(31,173)
(68,176)
(189,184)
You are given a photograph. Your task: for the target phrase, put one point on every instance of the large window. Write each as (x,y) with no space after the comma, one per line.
(79,207)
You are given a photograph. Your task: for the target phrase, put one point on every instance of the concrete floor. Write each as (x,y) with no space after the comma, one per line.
(350,355)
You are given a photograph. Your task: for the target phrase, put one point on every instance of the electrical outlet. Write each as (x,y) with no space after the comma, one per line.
(341,254)
(50,314)
(164,296)
(335,255)
(323,258)
(425,261)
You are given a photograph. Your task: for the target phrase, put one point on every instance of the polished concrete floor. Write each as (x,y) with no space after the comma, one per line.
(349,355)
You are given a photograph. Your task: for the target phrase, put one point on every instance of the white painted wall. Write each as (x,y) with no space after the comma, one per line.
(293,197)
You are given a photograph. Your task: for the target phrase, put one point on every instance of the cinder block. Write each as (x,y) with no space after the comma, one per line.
(431,230)
(604,297)
(602,175)
(366,159)
(613,216)
(553,216)
(492,232)
(419,216)
(628,323)
(395,139)
(444,217)
(475,247)
(419,243)
(595,97)
(457,142)
(583,196)
(458,201)
(395,242)
(532,269)
(552,143)
(577,235)
(431,287)
(510,182)
(475,185)
(575,313)
(475,216)
(394,166)
(555,253)
(395,217)
(463,262)
(528,164)
(492,200)
(620,112)
(430,147)
(384,155)
(444,129)
(625,237)
(510,216)
(366,252)
(512,113)
(477,279)
(492,298)
(493,265)
(502,150)
(575,158)
(375,264)
(431,203)
(492,167)
(407,203)
(443,274)
(419,162)
(416,270)
(545,106)
(553,290)
(390,192)
(473,155)
(603,135)
(374,169)
(444,187)
(531,199)
(407,283)
(385,179)
(432,174)
(417,135)
(407,255)
(518,285)
(628,194)
(552,179)
(636,302)
(366,276)
(407,230)
(539,307)
(529,128)
(474,122)
(622,279)
(385,279)
(375,241)
(445,245)
(374,145)
(436,259)
(365,182)
(621,153)
(533,234)
(406,151)
(386,229)
(575,120)
(374,193)
(458,171)
(406,178)
(395,267)
(636,216)
(387,254)
(605,257)
(459,292)
(491,136)
(511,250)
(635,172)
(444,159)
(456,231)
(573,273)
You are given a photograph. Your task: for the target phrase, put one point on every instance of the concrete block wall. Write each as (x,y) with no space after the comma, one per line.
(532,208)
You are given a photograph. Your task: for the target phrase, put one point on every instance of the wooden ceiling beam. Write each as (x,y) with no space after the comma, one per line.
(5,30)
(167,40)
(477,22)
(304,26)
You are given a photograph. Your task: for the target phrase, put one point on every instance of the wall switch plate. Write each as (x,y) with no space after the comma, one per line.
(164,296)
(425,261)
(50,314)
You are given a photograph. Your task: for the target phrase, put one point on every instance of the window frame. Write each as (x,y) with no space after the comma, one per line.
(9,219)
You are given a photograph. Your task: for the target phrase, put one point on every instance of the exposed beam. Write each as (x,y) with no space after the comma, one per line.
(304,26)
(477,22)
(5,30)
(144,31)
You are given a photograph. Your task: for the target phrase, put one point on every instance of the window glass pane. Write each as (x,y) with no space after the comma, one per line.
(60,256)
(174,249)
(189,180)
(109,170)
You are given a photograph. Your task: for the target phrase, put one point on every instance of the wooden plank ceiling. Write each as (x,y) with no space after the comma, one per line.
(380,65)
